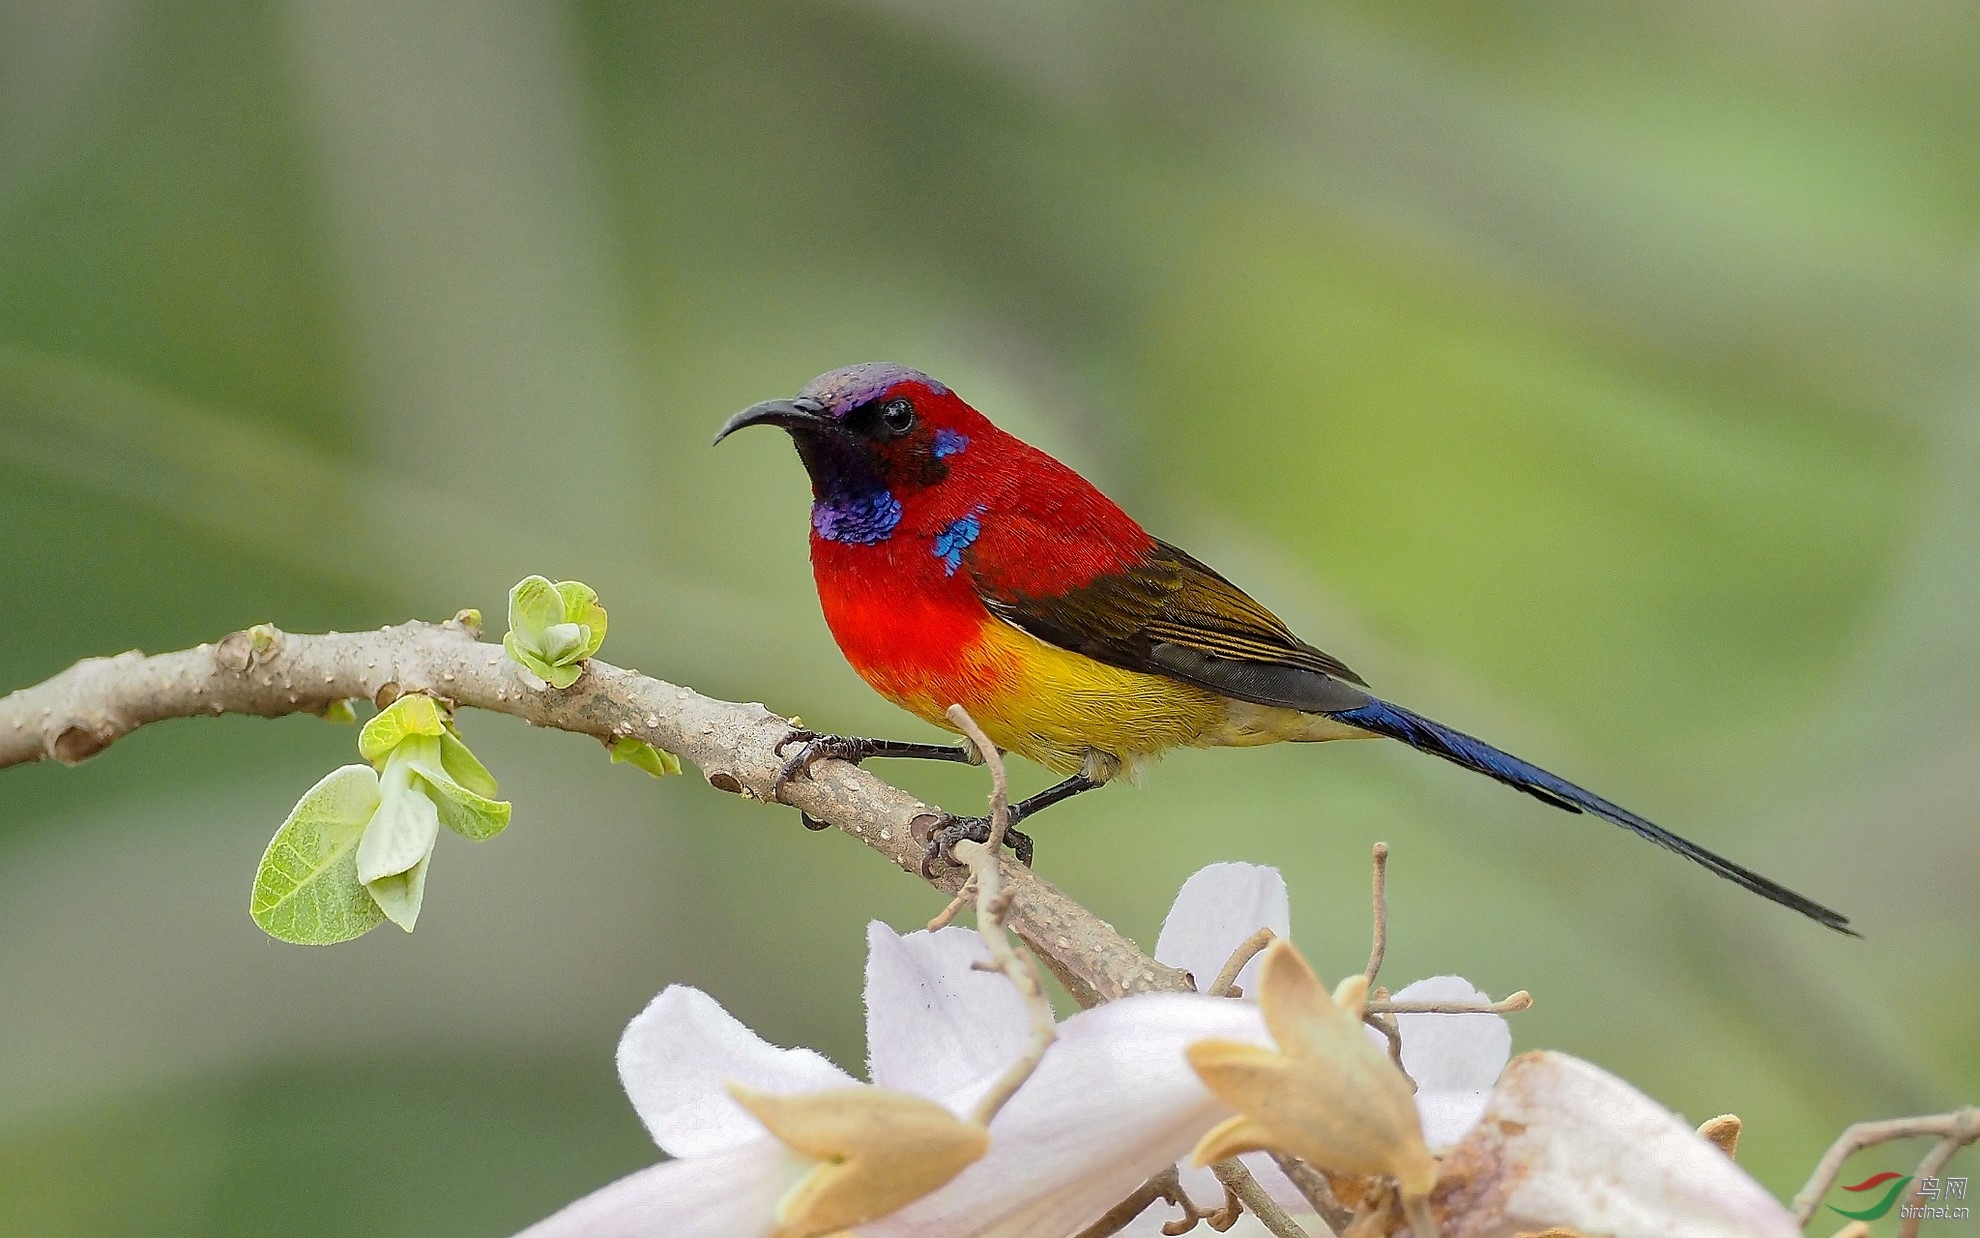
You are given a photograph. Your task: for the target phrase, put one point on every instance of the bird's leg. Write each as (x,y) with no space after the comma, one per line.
(852,749)
(977,829)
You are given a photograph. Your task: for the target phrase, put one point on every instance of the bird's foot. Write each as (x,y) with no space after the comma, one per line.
(943,838)
(814,747)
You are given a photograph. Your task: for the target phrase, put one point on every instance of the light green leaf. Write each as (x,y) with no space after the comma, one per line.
(463,767)
(637,752)
(339,711)
(581,607)
(534,604)
(558,676)
(307,889)
(474,817)
(461,806)
(412,714)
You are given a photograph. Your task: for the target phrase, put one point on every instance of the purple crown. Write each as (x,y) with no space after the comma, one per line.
(843,390)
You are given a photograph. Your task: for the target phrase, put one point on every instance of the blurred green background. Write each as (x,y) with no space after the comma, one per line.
(1599,380)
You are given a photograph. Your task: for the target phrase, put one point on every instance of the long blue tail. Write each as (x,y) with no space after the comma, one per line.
(1475,754)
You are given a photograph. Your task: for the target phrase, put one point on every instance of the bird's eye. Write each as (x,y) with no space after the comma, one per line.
(897,416)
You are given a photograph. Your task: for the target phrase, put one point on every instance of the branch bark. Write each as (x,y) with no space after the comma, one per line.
(269,673)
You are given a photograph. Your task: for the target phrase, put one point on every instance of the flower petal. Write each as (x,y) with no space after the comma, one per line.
(729,1194)
(1452,1050)
(1216,909)
(1454,1058)
(1566,1145)
(678,1055)
(1114,1101)
(934,1025)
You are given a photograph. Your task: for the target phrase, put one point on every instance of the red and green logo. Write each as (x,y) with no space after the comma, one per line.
(1898,1183)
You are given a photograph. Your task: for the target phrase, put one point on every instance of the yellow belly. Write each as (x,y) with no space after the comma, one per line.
(1072,714)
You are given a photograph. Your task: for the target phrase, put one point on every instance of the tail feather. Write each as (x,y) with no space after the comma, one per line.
(1475,754)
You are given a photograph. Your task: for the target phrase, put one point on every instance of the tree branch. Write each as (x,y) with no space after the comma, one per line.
(268,673)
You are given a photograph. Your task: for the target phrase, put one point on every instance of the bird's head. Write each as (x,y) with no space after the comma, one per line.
(871,428)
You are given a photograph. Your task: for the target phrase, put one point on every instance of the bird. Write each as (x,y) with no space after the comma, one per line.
(957,564)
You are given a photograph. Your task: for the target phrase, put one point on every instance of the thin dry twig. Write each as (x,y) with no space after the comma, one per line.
(1164,1187)
(1243,1187)
(947,916)
(1954,1131)
(1519,1001)
(1380,1011)
(1386,1024)
(1221,1220)
(1319,1193)
(992,903)
(1966,1130)
(1381,1020)
(1380,947)
(1225,985)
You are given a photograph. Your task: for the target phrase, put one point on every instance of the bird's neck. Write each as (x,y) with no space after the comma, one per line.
(850,501)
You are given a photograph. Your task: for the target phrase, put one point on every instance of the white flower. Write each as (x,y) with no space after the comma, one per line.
(683,1059)
(1454,1059)
(1115,1092)
(1114,1101)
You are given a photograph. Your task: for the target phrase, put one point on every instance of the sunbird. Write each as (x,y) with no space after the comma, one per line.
(958,565)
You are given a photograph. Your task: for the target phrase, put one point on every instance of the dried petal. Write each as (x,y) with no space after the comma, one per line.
(1325,1094)
(877,1151)
(1565,1145)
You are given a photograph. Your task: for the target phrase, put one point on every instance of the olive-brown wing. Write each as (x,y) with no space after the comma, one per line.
(1170,614)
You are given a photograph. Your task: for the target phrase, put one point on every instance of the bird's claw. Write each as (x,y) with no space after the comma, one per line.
(815,747)
(943,838)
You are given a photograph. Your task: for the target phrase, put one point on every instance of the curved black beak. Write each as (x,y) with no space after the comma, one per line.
(799,415)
